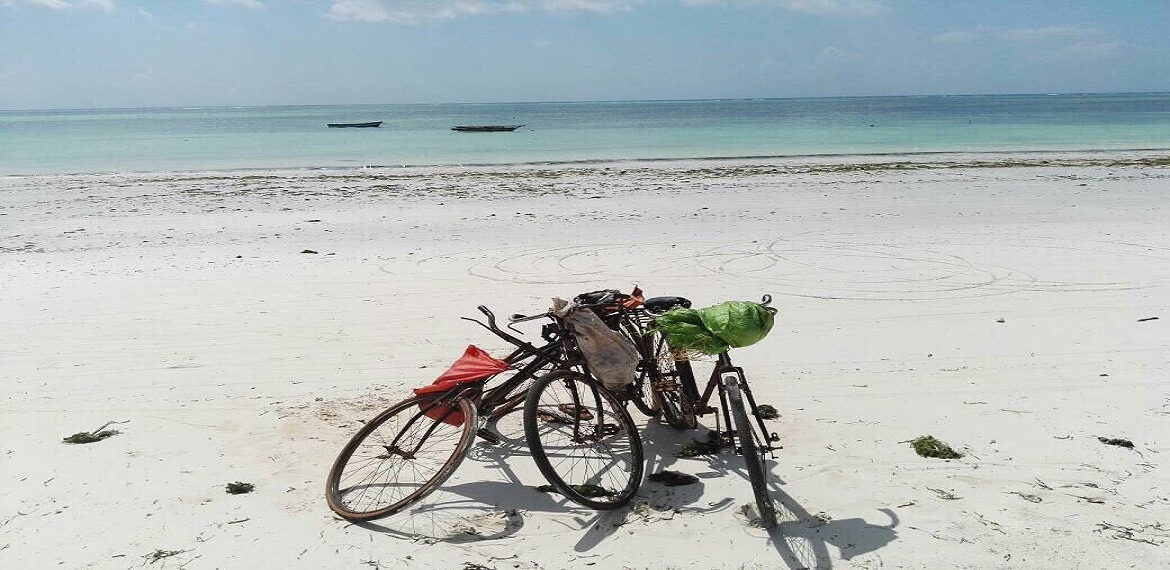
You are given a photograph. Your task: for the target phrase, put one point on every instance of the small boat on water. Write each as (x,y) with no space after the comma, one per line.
(355,125)
(486,128)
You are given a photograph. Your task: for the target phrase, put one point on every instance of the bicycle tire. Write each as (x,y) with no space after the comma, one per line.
(335,495)
(642,395)
(597,397)
(675,403)
(751,454)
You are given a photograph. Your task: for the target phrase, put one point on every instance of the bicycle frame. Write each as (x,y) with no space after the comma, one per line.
(724,367)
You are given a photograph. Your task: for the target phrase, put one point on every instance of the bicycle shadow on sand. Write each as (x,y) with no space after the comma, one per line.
(801,539)
(495,507)
(492,504)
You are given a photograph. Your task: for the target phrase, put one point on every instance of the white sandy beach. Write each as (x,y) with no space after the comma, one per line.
(995,306)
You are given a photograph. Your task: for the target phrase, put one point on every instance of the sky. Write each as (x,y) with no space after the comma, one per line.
(150,53)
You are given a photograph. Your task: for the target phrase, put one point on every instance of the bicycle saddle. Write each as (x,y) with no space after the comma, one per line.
(659,305)
(598,297)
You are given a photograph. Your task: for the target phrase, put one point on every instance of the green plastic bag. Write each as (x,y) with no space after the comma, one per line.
(684,331)
(738,323)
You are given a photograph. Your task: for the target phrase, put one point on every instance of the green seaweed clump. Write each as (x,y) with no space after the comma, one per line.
(767,412)
(90,437)
(929,446)
(239,488)
(695,448)
(673,478)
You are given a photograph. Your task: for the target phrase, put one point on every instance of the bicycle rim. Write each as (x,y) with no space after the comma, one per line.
(583,440)
(643,396)
(398,458)
(752,455)
(669,395)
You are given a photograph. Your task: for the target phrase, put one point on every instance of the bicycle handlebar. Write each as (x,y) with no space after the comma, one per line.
(518,318)
(496,330)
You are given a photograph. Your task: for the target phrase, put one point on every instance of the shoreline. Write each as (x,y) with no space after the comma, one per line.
(960,159)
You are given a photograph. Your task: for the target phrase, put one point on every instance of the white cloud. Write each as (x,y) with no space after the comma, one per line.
(412,11)
(835,7)
(253,4)
(1090,49)
(1048,33)
(62,5)
(836,56)
(954,37)
(817,7)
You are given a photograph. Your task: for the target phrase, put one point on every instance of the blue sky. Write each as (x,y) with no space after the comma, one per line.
(132,53)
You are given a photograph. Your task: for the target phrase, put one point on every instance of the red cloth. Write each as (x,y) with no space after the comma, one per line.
(475,364)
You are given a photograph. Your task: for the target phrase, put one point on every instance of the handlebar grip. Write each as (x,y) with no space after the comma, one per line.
(490,316)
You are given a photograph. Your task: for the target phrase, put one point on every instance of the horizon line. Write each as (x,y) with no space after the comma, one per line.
(580,101)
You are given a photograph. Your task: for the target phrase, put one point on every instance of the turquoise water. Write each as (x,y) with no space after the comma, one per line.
(296,136)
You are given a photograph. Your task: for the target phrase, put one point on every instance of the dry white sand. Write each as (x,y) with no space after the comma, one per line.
(996,307)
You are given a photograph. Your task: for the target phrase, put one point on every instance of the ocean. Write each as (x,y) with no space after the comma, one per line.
(224,138)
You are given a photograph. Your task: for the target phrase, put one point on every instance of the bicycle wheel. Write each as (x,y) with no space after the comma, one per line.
(583,440)
(752,456)
(670,395)
(400,457)
(642,392)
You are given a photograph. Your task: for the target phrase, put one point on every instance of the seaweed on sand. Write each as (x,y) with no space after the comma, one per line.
(161,554)
(929,446)
(91,436)
(587,490)
(767,412)
(673,478)
(239,488)
(1119,442)
(695,448)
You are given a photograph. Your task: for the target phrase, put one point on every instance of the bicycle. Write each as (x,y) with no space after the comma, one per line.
(677,396)
(409,450)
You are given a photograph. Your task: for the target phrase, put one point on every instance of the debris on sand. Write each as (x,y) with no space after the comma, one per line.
(750,515)
(1156,530)
(91,436)
(673,478)
(161,554)
(929,446)
(1116,441)
(592,491)
(239,488)
(587,490)
(695,448)
(1147,319)
(308,251)
(945,495)
(1027,497)
(767,412)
